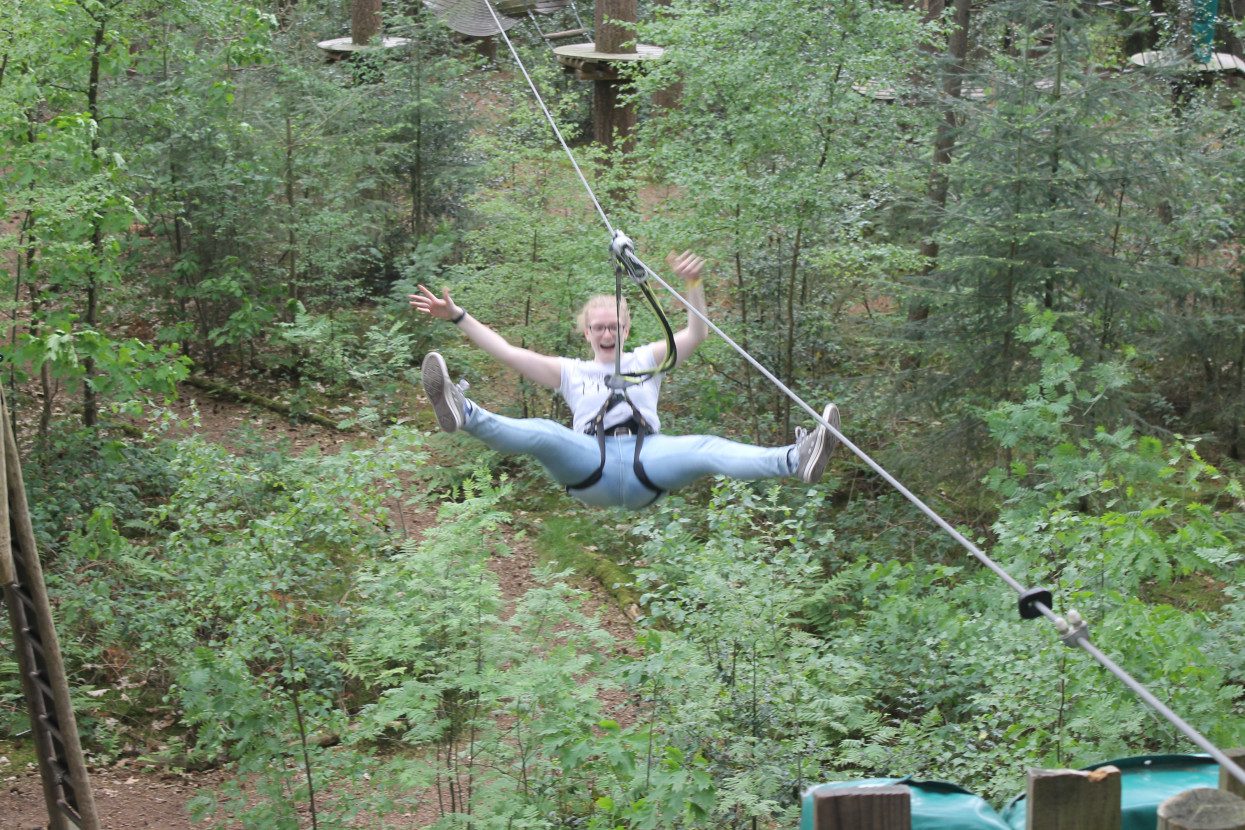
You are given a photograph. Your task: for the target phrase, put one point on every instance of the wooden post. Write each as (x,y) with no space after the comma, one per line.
(863,808)
(613,123)
(1226,782)
(1202,809)
(1066,799)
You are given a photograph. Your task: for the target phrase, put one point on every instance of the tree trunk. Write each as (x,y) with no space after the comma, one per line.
(944,142)
(291,235)
(789,358)
(90,403)
(749,394)
(417,170)
(364,21)
(613,124)
(610,36)
(668,98)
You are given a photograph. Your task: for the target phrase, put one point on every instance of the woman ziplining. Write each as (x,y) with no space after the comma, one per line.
(615,456)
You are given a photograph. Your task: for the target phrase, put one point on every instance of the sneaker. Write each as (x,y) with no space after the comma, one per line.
(813,448)
(447,399)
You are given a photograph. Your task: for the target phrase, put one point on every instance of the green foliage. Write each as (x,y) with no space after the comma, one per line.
(729,678)
(72,190)
(783,191)
(233,602)
(1114,522)
(1086,193)
(226,196)
(503,702)
(300,644)
(1104,519)
(257,198)
(72,474)
(379,362)
(1070,496)
(265,558)
(578,541)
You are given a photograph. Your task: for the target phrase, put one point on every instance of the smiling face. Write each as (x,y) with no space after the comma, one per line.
(603,333)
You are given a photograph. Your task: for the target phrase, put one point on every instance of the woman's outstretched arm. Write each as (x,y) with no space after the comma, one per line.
(537,367)
(688,267)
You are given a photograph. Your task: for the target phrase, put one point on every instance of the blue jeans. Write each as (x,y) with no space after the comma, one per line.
(671,461)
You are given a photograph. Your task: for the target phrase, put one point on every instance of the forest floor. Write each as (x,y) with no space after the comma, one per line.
(130,796)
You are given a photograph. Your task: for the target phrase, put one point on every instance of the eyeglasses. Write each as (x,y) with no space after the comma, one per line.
(612,328)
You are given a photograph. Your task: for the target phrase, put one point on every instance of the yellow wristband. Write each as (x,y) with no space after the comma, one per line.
(693,284)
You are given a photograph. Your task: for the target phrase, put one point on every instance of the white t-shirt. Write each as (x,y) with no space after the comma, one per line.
(583,387)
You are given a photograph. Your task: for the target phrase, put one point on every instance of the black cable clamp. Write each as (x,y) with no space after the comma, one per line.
(623,251)
(1029,601)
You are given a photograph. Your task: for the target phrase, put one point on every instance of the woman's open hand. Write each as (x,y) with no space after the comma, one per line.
(441,307)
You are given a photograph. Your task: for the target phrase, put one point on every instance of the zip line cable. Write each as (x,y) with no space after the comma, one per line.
(1033,602)
(1073,632)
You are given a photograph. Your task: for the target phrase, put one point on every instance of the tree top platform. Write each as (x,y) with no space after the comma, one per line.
(339,46)
(588,64)
(1219,62)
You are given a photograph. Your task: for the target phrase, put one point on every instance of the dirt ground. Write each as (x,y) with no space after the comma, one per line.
(128,797)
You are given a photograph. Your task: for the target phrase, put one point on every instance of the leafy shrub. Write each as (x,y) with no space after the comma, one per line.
(728,678)
(72,472)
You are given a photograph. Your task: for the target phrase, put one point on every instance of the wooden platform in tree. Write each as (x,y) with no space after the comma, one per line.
(587,64)
(1219,62)
(341,46)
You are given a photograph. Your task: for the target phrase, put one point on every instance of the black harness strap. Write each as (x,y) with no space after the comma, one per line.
(597,428)
(622,249)
(623,252)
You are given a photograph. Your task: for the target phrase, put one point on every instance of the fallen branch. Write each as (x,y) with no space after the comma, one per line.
(271,404)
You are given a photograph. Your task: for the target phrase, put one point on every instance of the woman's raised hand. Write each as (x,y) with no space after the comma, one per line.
(686,266)
(440,307)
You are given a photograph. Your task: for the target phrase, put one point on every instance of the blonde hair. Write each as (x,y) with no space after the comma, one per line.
(603,301)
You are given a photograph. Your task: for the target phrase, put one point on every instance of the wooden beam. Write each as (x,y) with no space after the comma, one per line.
(863,808)
(1202,809)
(1067,799)
(565,34)
(62,765)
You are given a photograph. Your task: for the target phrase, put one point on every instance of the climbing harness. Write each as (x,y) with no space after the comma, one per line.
(635,425)
(622,250)
(1073,631)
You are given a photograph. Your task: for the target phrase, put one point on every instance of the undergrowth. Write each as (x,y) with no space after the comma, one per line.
(271,617)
